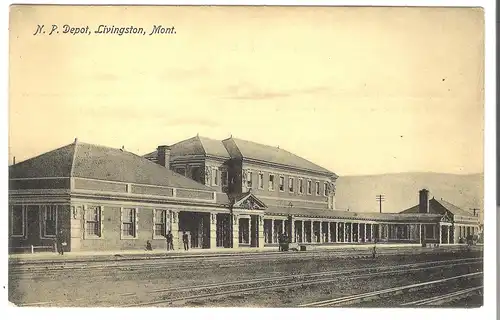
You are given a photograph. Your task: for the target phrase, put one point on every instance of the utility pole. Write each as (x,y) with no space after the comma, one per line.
(474,211)
(380,199)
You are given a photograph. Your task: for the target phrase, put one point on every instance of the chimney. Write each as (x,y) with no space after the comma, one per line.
(14,160)
(423,205)
(164,156)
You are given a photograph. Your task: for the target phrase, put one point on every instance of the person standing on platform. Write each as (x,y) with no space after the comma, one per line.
(185,239)
(60,242)
(280,241)
(374,249)
(170,241)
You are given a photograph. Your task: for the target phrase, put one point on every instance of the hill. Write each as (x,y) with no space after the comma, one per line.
(358,193)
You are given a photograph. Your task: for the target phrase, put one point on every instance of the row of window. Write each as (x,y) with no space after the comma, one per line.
(291,184)
(92,219)
(213,180)
(48,219)
(129,222)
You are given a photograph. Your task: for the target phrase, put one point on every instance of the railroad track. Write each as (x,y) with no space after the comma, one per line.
(444,298)
(357,298)
(191,293)
(133,265)
(15,262)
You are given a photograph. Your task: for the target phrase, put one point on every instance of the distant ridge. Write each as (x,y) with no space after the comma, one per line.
(357,193)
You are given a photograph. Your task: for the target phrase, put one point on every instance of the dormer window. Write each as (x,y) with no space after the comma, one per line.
(224,178)
(215,177)
(249,179)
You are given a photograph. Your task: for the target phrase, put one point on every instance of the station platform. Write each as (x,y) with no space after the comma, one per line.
(83,256)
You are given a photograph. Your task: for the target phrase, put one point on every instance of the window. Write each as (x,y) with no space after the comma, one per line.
(309,187)
(261,180)
(249,179)
(301,188)
(93,221)
(316,185)
(160,223)
(129,222)
(325,189)
(430,231)
(282,183)
(244,231)
(215,177)
(181,171)
(290,184)
(271,182)
(49,221)
(224,178)
(207,177)
(196,174)
(17,221)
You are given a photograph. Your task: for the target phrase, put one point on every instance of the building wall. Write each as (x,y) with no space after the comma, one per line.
(206,165)
(138,190)
(185,165)
(33,226)
(305,199)
(220,166)
(111,234)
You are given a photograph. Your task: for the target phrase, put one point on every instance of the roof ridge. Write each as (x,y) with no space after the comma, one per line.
(179,142)
(73,159)
(278,149)
(202,146)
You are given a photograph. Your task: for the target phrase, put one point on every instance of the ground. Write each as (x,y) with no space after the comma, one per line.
(269,279)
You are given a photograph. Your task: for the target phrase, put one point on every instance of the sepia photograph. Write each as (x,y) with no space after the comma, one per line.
(246,156)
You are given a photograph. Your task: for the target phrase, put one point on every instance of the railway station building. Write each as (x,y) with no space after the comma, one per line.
(223,194)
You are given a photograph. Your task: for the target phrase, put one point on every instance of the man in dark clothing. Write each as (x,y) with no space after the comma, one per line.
(59,242)
(185,239)
(148,246)
(170,241)
(280,241)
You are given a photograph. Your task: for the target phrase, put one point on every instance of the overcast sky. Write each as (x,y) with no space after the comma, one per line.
(358,91)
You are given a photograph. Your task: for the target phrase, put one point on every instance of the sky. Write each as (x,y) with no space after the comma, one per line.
(355,90)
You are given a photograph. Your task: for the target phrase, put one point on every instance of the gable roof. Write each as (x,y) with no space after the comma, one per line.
(439,207)
(244,149)
(91,161)
(248,200)
(452,208)
(195,146)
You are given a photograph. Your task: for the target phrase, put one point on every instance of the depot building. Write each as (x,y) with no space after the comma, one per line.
(224,194)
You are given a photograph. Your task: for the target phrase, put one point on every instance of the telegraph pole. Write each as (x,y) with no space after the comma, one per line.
(380,199)
(474,211)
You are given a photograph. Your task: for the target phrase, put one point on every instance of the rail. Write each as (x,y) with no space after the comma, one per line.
(197,292)
(378,293)
(443,298)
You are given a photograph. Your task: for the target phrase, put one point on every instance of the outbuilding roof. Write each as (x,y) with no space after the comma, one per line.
(439,207)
